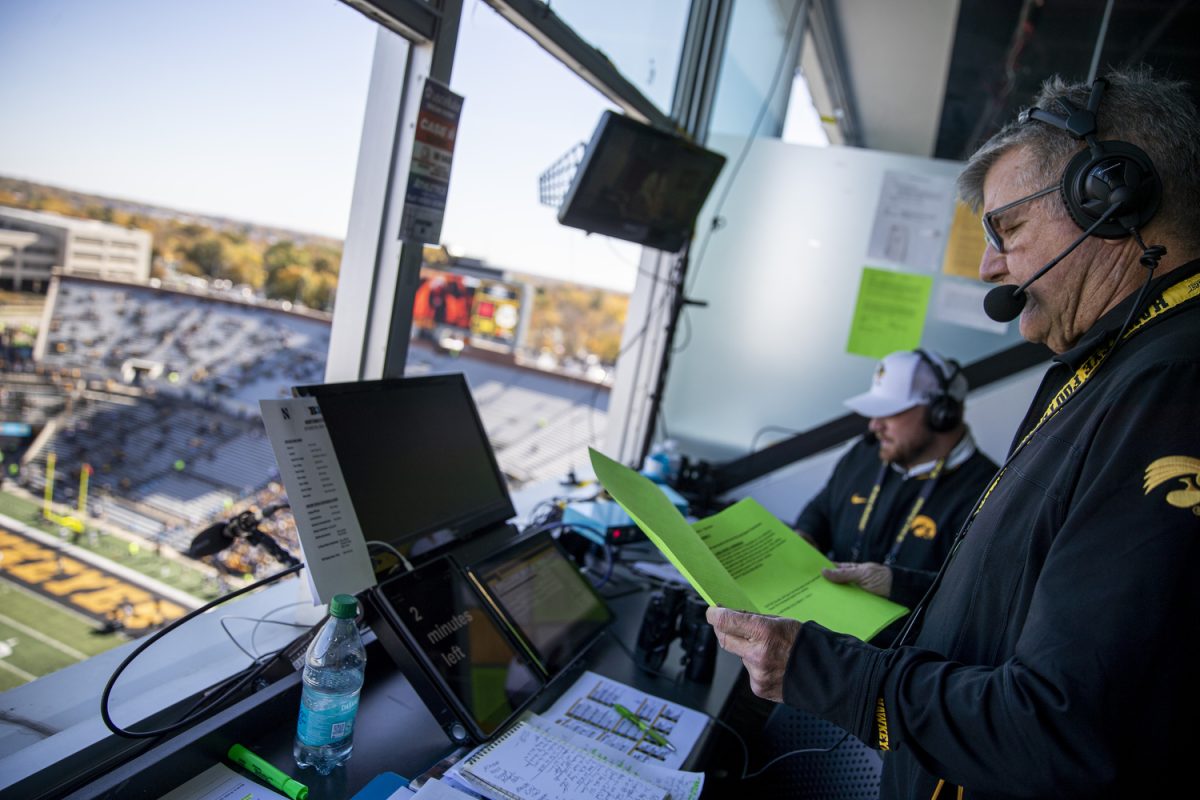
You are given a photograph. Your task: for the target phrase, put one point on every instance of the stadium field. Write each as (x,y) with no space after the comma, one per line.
(38,637)
(141,558)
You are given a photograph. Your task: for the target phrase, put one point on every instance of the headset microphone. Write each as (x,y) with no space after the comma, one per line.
(1111,175)
(1004,303)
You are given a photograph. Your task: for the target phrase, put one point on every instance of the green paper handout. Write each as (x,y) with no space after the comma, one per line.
(890,312)
(746,559)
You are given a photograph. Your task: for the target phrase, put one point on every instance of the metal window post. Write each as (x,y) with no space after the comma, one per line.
(372,318)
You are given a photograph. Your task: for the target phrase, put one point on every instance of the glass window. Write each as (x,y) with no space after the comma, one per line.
(760,56)
(530,311)
(809,235)
(210,192)
(803,123)
(644,40)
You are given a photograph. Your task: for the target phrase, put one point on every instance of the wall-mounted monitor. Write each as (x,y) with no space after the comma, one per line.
(640,184)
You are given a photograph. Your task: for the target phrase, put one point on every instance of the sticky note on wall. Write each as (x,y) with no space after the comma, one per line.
(890,312)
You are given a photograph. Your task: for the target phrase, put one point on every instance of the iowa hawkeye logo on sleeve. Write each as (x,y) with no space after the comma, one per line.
(1187,470)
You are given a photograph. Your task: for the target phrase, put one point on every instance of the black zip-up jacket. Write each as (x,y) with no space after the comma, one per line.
(831,518)
(1052,660)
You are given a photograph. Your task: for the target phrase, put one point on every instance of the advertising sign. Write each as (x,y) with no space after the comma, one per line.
(429,169)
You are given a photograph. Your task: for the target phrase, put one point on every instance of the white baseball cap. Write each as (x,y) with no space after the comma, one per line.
(904,380)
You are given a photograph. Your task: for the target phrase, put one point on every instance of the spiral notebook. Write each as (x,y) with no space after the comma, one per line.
(525,764)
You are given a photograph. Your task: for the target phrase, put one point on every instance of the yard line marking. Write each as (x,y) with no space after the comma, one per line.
(44,639)
(20,673)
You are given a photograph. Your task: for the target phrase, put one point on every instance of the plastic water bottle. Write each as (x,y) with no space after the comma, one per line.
(674,460)
(333,678)
(662,462)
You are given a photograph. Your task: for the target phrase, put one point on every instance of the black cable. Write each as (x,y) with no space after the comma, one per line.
(746,774)
(559,524)
(789,754)
(717,221)
(686,320)
(687,283)
(545,510)
(195,713)
(651,310)
(770,429)
(1133,310)
(608,240)
(258,621)
(679,301)
(1151,255)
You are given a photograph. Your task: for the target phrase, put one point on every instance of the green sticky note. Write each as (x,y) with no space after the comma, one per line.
(890,312)
(745,558)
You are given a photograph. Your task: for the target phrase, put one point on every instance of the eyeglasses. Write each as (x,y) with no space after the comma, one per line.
(989,230)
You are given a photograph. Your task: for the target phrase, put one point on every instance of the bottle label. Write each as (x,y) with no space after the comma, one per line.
(324,726)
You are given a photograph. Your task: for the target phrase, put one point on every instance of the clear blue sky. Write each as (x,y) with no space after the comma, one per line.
(253,109)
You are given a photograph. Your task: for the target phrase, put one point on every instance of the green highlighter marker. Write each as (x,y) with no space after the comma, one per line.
(267,772)
(644,727)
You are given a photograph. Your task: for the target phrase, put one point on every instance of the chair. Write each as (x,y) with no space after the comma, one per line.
(849,772)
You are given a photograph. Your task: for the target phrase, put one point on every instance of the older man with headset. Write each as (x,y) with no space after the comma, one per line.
(894,501)
(1050,658)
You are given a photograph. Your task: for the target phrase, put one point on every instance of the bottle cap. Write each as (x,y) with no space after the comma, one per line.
(344,606)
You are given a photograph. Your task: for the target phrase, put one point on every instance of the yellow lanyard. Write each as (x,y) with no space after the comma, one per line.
(1174,296)
(926,490)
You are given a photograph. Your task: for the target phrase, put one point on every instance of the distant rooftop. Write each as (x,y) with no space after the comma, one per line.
(51,219)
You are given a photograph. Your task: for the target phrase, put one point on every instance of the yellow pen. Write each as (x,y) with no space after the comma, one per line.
(643,726)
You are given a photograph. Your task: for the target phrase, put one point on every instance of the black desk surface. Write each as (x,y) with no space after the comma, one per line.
(394,731)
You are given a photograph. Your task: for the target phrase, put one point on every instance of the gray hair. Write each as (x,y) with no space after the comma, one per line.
(1155,114)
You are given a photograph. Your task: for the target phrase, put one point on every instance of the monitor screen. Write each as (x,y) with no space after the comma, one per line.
(640,184)
(547,600)
(415,456)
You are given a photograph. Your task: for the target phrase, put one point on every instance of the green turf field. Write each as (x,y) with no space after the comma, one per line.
(38,637)
(169,571)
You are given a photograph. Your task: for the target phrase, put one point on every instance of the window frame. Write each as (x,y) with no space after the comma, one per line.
(378,272)
(369,339)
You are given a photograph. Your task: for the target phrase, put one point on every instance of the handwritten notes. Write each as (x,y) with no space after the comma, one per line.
(527,764)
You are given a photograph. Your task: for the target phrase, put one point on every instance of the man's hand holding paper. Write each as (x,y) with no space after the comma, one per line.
(745,558)
(875,578)
(763,643)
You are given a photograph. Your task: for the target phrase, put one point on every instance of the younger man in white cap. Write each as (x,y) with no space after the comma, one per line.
(894,502)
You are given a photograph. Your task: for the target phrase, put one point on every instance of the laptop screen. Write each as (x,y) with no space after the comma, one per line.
(415,456)
(546,598)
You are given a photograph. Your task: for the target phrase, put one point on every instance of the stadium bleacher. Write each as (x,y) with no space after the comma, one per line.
(212,350)
(184,445)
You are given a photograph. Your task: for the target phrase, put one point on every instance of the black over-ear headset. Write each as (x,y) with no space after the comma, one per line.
(1110,189)
(1105,173)
(943,412)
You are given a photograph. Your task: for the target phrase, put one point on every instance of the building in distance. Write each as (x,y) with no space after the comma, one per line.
(32,243)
